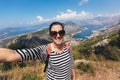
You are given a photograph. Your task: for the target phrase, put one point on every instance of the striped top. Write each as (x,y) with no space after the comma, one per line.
(59,65)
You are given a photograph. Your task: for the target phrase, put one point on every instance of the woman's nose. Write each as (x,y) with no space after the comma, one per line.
(58,35)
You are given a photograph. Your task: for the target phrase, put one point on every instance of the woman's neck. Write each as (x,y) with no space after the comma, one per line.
(58,46)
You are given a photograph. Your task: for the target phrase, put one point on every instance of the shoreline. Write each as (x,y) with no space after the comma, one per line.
(79,31)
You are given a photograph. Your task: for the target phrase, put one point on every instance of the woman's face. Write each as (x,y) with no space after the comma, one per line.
(57,34)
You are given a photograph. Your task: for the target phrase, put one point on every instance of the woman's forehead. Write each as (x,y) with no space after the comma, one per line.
(56,28)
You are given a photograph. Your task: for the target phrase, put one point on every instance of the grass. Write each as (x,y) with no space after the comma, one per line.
(97,70)
(26,73)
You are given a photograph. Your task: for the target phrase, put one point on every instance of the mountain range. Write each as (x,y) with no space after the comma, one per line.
(42,36)
(71,27)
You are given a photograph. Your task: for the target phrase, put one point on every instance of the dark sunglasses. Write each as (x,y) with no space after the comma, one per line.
(54,33)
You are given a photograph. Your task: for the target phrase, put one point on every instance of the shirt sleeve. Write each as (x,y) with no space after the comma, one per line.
(39,52)
(72,59)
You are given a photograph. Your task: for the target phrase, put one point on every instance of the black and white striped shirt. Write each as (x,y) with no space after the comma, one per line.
(59,66)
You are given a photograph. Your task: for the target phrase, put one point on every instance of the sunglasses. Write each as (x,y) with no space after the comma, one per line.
(54,33)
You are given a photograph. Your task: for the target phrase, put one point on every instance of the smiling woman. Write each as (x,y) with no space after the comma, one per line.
(57,32)
(60,59)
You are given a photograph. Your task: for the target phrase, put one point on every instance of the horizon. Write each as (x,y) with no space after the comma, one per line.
(16,13)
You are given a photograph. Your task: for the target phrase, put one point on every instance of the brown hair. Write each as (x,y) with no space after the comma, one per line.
(55,23)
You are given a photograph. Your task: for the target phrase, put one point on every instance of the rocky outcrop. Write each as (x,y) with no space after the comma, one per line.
(102,43)
(71,27)
(29,41)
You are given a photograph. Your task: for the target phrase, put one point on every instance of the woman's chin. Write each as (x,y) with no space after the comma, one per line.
(59,42)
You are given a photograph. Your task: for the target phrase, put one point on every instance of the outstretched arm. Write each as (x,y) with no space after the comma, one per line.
(8,55)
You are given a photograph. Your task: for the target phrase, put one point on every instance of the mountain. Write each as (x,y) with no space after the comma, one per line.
(72,27)
(42,36)
(105,24)
(96,21)
(99,20)
(106,29)
(27,41)
(13,31)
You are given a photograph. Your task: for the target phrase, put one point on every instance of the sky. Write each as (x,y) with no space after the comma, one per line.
(15,13)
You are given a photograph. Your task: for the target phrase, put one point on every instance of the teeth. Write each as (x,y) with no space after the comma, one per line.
(58,40)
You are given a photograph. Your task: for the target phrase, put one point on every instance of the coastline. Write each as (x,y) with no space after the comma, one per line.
(79,31)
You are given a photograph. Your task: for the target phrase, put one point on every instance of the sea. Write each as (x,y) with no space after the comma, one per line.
(87,31)
(17,31)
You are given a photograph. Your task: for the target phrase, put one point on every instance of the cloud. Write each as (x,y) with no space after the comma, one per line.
(40,18)
(68,15)
(72,15)
(108,15)
(83,2)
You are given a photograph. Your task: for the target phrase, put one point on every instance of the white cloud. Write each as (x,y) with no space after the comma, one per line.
(108,15)
(83,2)
(68,15)
(72,15)
(40,18)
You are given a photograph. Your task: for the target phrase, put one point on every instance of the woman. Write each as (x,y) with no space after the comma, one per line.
(60,64)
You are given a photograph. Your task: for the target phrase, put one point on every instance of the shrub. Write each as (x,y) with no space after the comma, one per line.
(16,46)
(31,77)
(112,53)
(108,52)
(6,66)
(86,67)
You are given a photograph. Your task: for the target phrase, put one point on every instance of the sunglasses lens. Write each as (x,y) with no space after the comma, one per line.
(54,33)
(61,33)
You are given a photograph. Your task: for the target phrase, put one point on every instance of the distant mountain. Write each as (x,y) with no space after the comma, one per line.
(72,27)
(115,26)
(4,32)
(110,28)
(96,21)
(13,31)
(42,36)
(99,20)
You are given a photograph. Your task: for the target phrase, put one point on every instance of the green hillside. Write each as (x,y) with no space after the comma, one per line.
(99,48)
